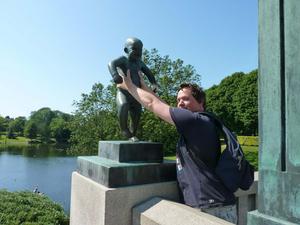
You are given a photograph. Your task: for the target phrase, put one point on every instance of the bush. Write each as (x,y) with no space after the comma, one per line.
(26,208)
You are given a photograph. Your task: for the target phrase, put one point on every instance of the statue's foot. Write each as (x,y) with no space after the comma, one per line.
(134,139)
(127,134)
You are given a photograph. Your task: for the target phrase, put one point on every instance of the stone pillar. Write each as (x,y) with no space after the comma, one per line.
(106,187)
(279,114)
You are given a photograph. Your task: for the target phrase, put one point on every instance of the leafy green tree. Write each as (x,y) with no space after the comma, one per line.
(246,99)
(234,100)
(3,124)
(220,99)
(169,74)
(156,130)
(65,116)
(30,130)
(59,130)
(10,133)
(45,124)
(94,119)
(17,125)
(42,118)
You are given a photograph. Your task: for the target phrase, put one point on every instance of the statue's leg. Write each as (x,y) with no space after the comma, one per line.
(135,115)
(123,108)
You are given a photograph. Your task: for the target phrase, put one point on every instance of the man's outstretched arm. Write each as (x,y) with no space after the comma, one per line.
(147,99)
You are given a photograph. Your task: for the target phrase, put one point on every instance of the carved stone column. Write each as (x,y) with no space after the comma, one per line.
(279,113)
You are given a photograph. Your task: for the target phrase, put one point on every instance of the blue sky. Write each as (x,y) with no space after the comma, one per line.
(51,51)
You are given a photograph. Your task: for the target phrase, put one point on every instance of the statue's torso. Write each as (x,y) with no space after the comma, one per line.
(134,67)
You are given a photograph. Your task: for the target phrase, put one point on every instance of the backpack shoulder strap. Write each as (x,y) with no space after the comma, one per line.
(232,144)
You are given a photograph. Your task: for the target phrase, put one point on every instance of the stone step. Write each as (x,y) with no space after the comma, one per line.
(128,151)
(115,174)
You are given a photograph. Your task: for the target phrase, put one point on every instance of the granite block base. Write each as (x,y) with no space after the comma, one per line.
(257,218)
(95,204)
(115,174)
(128,151)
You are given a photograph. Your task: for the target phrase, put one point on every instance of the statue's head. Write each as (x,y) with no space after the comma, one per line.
(133,48)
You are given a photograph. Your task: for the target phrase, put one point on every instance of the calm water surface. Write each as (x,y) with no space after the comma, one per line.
(47,167)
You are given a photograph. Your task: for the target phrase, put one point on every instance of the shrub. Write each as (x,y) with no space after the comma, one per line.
(26,208)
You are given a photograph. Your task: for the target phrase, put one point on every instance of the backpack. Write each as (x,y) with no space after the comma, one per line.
(232,167)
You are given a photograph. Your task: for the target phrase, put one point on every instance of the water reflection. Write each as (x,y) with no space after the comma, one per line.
(40,151)
(46,166)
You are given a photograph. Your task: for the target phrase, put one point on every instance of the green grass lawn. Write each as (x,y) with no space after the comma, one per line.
(244,147)
(16,141)
(251,154)
(170,157)
(250,148)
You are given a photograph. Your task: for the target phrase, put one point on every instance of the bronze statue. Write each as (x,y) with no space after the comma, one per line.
(125,102)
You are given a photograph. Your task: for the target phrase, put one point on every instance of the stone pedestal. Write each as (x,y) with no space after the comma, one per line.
(95,204)
(106,187)
(114,174)
(127,151)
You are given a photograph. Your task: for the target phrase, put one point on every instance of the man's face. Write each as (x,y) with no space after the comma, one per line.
(185,100)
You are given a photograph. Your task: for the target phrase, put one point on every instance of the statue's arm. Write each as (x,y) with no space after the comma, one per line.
(150,76)
(148,73)
(112,67)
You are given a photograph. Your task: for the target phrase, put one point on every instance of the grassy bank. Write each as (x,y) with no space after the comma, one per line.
(14,141)
(251,154)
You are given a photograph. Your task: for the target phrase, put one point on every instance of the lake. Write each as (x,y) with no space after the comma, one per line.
(22,168)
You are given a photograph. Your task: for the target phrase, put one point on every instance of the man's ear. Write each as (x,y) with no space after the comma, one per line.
(126,50)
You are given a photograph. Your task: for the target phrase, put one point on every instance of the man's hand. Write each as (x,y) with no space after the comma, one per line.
(143,84)
(146,97)
(127,82)
(154,88)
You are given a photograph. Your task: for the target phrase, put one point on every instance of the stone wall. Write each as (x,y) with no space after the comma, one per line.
(159,211)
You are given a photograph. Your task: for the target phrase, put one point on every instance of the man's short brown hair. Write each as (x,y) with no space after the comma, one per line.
(197,92)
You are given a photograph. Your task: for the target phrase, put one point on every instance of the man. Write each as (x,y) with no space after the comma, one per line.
(198,149)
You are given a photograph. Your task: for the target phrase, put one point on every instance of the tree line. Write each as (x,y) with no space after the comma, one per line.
(234,100)
(43,126)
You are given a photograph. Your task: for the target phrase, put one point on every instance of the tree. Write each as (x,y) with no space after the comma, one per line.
(3,124)
(59,129)
(246,99)
(46,124)
(10,134)
(42,118)
(17,125)
(169,74)
(30,130)
(94,119)
(234,100)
